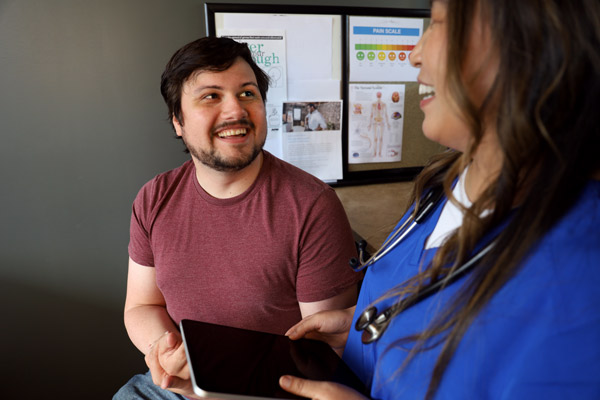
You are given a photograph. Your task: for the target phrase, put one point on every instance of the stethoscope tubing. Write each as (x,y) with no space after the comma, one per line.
(374,324)
(384,249)
(429,202)
(396,242)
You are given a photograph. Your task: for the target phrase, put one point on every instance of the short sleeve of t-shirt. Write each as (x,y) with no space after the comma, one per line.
(153,196)
(325,250)
(140,250)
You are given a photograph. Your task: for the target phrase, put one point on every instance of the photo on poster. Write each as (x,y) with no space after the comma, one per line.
(312,137)
(375,123)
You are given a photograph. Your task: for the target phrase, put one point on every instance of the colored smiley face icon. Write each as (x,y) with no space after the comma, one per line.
(360,56)
(371,56)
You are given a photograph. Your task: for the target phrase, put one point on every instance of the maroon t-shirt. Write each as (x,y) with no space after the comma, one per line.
(245,261)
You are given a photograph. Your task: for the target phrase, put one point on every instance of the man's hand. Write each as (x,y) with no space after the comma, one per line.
(168,364)
(318,390)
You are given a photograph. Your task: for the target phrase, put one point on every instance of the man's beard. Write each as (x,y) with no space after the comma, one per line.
(215,161)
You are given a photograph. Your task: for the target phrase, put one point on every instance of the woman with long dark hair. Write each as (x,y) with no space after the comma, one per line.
(512,88)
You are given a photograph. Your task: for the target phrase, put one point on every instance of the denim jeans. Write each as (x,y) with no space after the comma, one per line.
(141,387)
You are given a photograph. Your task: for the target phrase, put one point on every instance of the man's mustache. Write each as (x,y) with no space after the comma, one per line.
(244,122)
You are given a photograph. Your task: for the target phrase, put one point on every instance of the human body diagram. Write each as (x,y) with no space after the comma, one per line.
(375,123)
(378,121)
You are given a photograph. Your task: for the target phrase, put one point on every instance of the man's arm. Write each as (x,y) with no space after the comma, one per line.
(146,317)
(325,281)
(343,300)
(153,332)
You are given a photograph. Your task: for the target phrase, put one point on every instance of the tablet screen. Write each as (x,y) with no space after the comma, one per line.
(240,362)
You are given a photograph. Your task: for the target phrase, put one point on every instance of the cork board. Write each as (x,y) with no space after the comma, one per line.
(415,148)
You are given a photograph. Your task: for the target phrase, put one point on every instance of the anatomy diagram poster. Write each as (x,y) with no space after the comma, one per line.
(375,123)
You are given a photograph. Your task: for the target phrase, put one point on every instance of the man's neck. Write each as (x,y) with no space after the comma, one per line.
(225,185)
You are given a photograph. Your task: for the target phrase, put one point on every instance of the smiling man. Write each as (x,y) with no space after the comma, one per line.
(234,236)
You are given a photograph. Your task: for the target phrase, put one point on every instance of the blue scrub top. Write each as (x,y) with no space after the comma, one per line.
(539,336)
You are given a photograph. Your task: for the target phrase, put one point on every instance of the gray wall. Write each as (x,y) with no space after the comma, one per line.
(83,126)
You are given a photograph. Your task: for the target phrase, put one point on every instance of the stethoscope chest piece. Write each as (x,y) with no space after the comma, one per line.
(372,324)
(365,318)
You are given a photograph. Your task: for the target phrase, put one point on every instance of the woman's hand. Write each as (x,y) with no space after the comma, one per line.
(331,327)
(318,390)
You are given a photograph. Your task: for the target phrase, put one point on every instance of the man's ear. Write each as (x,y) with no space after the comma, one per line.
(177,125)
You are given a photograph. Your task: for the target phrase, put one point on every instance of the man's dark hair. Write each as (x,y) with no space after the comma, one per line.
(206,54)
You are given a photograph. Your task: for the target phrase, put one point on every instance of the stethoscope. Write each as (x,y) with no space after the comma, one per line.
(429,202)
(373,324)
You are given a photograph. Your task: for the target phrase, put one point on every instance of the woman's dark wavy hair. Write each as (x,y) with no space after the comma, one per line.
(206,54)
(545,99)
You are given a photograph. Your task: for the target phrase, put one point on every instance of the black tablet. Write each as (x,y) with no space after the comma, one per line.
(233,363)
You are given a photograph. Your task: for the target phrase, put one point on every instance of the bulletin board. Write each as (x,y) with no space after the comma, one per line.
(351,59)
